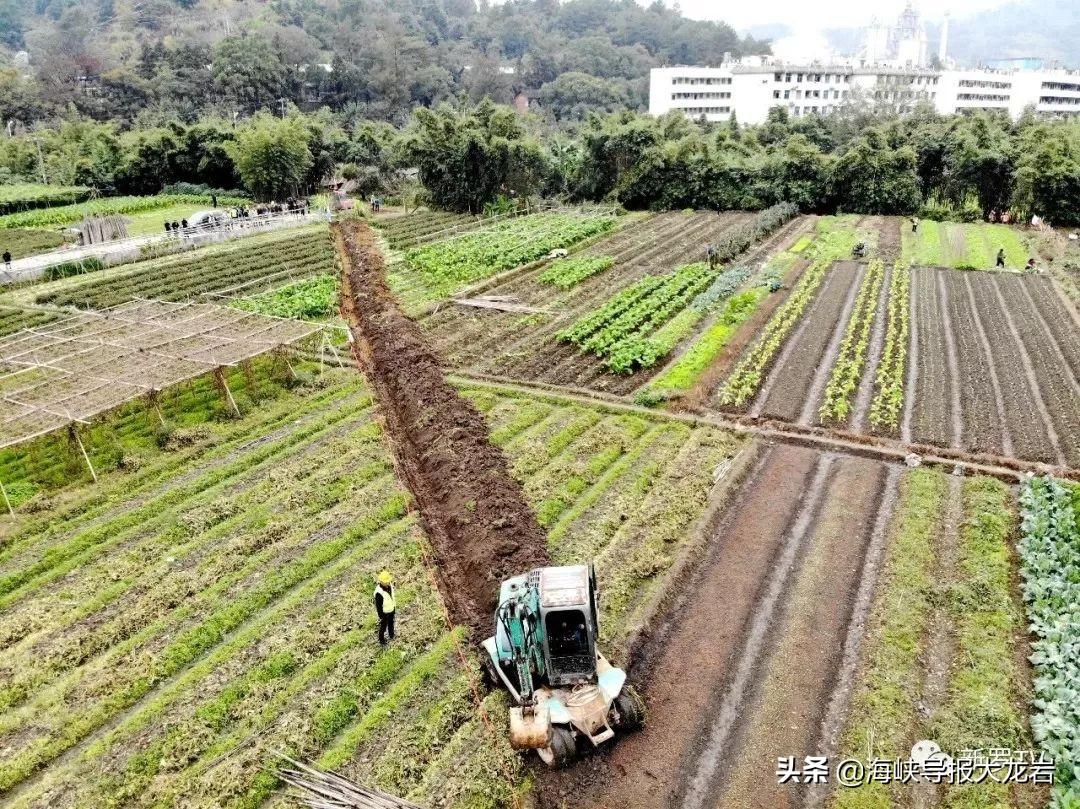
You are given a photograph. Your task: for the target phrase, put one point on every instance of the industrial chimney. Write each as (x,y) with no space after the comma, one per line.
(943,46)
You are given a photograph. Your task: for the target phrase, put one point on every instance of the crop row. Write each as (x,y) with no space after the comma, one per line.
(13,318)
(26,196)
(569,272)
(848,366)
(742,236)
(66,214)
(639,351)
(451,264)
(309,299)
(950,582)
(637,312)
(889,379)
(408,231)
(747,376)
(695,361)
(1050,568)
(182,278)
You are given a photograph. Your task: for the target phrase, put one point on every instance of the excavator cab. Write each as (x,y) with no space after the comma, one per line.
(544,653)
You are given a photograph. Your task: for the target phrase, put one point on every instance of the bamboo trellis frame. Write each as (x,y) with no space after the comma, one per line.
(75,368)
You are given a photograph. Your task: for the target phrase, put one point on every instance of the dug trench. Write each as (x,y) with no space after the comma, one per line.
(475,515)
(755,655)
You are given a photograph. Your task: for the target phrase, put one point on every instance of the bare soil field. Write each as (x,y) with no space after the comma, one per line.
(991,374)
(725,628)
(777,640)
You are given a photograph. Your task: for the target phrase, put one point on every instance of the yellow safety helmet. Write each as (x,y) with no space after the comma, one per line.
(385,577)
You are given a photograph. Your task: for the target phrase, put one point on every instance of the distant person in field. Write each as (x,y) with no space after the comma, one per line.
(213,200)
(914,224)
(7,259)
(1001,258)
(385,606)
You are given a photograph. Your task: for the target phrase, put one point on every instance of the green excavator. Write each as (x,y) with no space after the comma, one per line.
(567,696)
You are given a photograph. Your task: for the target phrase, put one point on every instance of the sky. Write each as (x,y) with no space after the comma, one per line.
(805,17)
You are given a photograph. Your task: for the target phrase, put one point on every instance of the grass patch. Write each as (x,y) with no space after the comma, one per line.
(970,245)
(883,713)
(22,242)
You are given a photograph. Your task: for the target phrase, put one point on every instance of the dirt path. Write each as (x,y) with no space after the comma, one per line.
(474,513)
(765,623)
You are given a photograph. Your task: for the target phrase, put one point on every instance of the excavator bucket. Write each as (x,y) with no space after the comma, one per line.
(530,728)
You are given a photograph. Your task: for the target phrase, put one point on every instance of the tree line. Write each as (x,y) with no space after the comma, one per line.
(164,60)
(467,156)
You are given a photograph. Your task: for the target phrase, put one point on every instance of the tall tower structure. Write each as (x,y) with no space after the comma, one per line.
(943,44)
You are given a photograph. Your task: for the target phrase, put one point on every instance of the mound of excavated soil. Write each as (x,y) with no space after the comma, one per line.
(473,511)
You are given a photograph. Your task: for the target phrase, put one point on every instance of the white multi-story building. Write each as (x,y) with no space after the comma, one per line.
(750,88)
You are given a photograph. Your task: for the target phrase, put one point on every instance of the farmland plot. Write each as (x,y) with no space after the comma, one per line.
(403,232)
(991,374)
(163,632)
(529,346)
(242,267)
(972,245)
(780,641)
(785,372)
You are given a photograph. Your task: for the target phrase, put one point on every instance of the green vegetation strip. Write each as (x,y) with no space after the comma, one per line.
(690,367)
(310,299)
(24,196)
(884,706)
(66,214)
(888,398)
(982,707)
(1050,568)
(848,366)
(569,272)
(835,239)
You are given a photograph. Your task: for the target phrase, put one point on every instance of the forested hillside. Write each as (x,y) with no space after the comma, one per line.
(162,59)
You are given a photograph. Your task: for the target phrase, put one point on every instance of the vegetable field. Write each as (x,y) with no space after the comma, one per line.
(446,266)
(607,325)
(743,448)
(982,363)
(174,663)
(403,232)
(234,268)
